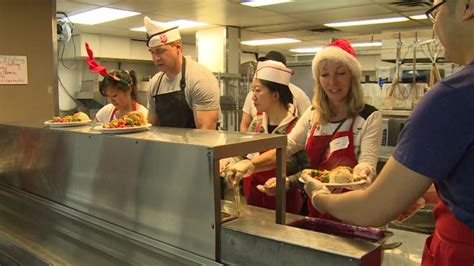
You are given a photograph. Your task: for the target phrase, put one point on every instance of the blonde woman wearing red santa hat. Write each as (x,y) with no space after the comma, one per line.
(276,114)
(339,129)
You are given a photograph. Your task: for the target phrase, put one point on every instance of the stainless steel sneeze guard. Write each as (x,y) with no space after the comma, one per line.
(150,197)
(163,183)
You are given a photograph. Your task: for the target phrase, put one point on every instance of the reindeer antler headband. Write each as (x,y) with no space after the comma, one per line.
(102,70)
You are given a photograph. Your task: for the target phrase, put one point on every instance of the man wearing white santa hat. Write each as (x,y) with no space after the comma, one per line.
(184,93)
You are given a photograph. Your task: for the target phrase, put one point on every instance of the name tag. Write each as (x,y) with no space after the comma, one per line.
(338,144)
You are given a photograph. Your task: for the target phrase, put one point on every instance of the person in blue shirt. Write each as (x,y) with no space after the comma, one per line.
(435,146)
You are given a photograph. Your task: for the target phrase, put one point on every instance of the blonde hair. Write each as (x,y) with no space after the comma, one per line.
(320,101)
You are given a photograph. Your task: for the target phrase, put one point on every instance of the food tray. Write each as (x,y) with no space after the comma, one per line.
(341,229)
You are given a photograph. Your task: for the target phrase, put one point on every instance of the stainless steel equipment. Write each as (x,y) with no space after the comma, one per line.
(257,240)
(163,183)
(73,195)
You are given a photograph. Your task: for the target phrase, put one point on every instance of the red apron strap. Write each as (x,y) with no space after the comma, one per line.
(113,115)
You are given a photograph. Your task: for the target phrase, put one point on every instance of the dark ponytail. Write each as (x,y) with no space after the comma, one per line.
(286,97)
(127,80)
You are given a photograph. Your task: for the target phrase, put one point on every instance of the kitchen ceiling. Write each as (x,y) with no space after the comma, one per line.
(301,19)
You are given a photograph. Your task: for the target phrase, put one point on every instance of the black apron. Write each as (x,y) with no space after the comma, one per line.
(171,108)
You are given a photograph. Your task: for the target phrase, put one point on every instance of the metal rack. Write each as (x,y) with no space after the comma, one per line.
(233,90)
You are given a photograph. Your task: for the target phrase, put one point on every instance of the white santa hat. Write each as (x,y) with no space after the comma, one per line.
(160,33)
(273,71)
(339,51)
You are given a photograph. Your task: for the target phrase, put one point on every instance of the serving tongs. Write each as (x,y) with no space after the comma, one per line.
(238,203)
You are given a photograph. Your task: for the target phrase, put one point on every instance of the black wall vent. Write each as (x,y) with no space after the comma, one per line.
(324,29)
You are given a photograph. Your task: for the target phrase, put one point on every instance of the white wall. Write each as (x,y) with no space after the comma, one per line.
(73,70)
(371,62)
(247,57)
(70,80)
(303,76)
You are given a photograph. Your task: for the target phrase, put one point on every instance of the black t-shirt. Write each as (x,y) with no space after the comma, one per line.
(271,128)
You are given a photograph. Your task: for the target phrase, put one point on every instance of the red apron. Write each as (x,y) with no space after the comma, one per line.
(135,108)
(452,242)
(321,159)
(256,198)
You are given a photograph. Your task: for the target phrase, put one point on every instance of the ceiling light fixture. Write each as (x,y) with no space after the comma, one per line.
(366,44)
(101,15)
(181,23)
(366,22)
(186,24)
(270,41)
(419,17)
(306,50)
(256,3)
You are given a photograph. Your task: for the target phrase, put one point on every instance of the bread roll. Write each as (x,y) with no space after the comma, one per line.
(341,174)
(81,116)
(138,118)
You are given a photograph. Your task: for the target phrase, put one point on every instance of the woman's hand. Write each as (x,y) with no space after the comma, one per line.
(313,187)
(224,163)
(235,172)
(364,171)
(269,187)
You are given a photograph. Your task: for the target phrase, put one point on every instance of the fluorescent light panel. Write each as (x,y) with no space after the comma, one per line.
(366,44)
(181,23)
(256,3)
(419,17)
(306,50)
(366,22)
(186,24)
(270,41)
(101,15)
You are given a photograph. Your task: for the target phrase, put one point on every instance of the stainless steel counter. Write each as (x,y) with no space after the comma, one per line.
(75,195)
(39,232)
(255,239)
(163,183)
(409,253)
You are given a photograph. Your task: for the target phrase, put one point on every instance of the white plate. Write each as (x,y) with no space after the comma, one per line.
(340,185)
(121,130)
(67,124)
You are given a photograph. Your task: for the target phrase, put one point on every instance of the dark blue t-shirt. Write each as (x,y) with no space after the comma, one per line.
(438,142)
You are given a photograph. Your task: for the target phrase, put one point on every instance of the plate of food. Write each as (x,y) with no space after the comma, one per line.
(132,122)
(339,177)
(77,119)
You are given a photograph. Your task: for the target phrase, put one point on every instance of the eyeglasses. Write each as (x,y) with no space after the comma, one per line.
(431,13)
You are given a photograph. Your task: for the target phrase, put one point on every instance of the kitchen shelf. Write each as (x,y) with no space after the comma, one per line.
(396,113)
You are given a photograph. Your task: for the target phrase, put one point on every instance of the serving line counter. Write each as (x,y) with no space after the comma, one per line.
(75,195)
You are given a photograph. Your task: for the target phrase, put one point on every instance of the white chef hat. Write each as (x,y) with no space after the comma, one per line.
(160,33)
(273,71)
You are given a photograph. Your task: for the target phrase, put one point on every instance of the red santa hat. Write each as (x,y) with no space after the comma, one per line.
(339,51)
(160,33)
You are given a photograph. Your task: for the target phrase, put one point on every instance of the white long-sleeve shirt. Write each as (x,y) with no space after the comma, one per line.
(367,131)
